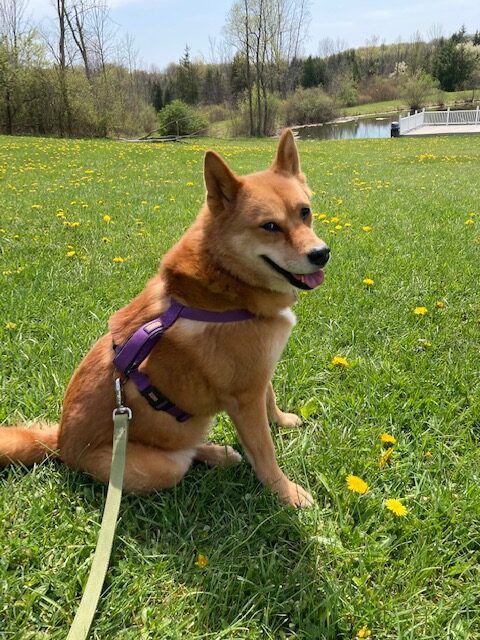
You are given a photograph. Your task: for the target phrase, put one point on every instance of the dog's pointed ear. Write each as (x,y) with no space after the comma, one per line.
(287,158)
(222,184)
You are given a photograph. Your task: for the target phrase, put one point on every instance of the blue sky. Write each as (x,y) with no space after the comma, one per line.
(162,28)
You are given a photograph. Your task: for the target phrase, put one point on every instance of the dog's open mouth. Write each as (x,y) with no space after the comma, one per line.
(306,281)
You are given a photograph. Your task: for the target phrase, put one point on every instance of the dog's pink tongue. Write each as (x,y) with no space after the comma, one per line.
(312,280)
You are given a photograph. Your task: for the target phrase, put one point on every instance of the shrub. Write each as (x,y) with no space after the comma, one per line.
(309,106)
(177,118)
(417,88)
(240,119)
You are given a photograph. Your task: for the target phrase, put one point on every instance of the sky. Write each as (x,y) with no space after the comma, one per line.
(162,28)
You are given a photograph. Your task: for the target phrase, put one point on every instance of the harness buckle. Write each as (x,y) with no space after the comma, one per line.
(156,399)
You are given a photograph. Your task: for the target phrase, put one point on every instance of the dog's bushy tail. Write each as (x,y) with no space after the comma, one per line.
(27,445)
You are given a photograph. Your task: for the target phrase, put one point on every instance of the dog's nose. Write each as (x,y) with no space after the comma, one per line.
(319,257)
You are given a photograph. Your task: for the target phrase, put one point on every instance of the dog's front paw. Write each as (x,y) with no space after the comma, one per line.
(296,496)
(288,420)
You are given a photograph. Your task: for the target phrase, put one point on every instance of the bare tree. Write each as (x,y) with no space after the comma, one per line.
(268,35)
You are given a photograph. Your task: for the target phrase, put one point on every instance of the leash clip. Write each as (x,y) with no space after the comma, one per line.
(120,409)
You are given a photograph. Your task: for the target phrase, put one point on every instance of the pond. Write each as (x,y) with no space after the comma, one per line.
(368,127)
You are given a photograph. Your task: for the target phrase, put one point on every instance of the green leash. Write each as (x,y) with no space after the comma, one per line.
(88,605)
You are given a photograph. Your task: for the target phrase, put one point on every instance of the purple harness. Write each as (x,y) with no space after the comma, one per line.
(129,356)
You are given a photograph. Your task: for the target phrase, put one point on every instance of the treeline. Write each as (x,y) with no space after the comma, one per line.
(79,78)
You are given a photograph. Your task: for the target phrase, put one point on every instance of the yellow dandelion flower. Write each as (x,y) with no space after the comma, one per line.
(368,281)
(10,325)
(385,457)
(428,454)
(105,239)
(364,632)
(335,219)
(71,253)
(366,228)
(118,259)
(469,221)
(356,484)
(60,214)
(396,507)
(157,206)
(202,561)
(107,218)
(420,311)
(189,184)
(439,304)
(36,206)
(340,361)
(338,226)
(387,438)
(322,216)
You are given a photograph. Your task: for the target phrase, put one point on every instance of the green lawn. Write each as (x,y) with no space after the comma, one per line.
(449,99)
(341,569)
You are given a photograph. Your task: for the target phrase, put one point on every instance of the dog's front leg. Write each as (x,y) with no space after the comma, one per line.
(278,416)
(249,414)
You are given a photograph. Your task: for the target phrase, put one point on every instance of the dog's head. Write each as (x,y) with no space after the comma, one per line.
(261,223)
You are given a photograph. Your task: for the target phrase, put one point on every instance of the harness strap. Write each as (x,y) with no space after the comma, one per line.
(130,355)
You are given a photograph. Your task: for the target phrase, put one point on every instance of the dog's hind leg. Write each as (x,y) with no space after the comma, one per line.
(276,415)
(147,469)
(217,455)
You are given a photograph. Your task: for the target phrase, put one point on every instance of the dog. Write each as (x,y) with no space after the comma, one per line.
(251,246)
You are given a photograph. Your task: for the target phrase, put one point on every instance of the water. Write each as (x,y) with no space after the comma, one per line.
(368,127)
(364,127)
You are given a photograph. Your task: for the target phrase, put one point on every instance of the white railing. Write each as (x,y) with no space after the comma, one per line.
(445,118)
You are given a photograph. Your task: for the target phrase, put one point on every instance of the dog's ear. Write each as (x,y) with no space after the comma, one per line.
(287,158)
(222,184)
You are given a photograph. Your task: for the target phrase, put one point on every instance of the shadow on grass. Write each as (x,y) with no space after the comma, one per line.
(261,579)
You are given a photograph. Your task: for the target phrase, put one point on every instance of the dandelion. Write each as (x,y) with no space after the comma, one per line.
(105,239)
(338,227)
(71,253)
(118,259)
(322,216)
(396,507)
(364,632)
(420,311)
(156,207)
(386,438)
(10,325)
(366,228)
(36,206)
(356,484)
(189,184)
(202,561)
(368,281)
(385,457)
(107,218)
(340,361)
(335,219)
(469,221)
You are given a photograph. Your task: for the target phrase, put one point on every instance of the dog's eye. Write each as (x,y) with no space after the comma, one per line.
(304,212)
(270,226)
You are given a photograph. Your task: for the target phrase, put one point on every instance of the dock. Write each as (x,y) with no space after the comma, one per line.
(449,122)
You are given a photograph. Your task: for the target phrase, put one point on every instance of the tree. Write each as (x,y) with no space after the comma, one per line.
(453,64)
(268,36)
(314,72)
(187,79)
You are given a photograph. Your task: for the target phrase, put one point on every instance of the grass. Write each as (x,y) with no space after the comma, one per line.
(341,569)
(448,99)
